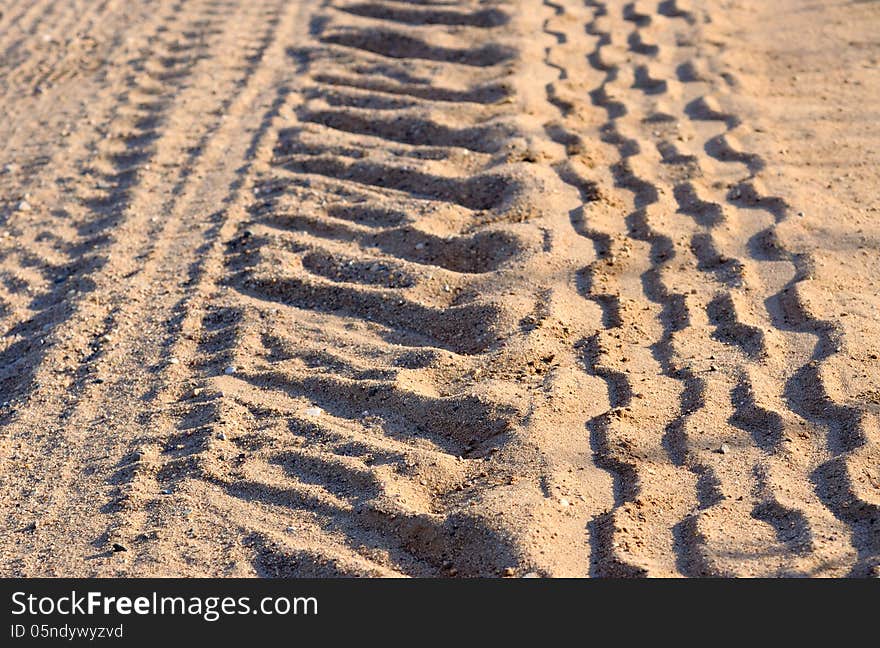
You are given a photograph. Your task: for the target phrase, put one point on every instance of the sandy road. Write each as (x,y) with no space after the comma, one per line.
(439,288)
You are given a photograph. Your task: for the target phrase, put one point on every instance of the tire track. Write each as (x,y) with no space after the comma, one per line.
(633,538)
(722,497)
(361,433)
(127,208)
(628,87)
(91,206)
(793,449)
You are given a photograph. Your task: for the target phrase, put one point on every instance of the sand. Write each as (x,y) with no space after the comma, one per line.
(439,288)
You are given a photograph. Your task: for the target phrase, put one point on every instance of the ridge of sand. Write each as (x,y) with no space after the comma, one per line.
(385,288)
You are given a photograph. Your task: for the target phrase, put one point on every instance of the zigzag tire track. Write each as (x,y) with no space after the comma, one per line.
(649,81)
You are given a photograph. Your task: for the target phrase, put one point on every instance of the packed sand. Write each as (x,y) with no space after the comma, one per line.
(439,288)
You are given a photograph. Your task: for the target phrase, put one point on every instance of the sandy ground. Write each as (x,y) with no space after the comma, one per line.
(440,288)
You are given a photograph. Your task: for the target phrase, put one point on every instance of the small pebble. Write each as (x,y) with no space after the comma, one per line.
(118,547)
(314,411)
(173,361)
(508,572)
(532,575)
(724,449)
(24,206)
(229,370)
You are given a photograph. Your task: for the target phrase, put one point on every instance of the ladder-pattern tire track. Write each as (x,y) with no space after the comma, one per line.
(399,467)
